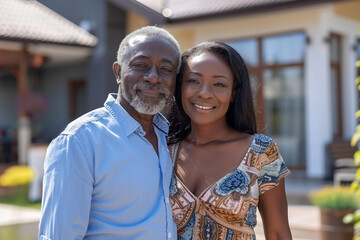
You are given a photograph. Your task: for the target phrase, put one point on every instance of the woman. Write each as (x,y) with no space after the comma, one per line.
(223,170)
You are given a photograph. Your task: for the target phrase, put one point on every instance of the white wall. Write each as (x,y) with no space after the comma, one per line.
(317,95)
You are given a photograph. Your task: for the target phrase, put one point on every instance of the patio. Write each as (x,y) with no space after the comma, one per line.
(22,223)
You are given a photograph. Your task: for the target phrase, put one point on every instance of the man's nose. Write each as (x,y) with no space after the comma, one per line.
(152,76)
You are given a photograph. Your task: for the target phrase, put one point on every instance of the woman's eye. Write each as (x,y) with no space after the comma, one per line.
(219,85)
(192,80)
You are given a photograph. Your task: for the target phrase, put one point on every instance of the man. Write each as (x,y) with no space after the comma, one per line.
(107,175)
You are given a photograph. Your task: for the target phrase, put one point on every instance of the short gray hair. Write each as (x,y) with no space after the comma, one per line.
(151,31)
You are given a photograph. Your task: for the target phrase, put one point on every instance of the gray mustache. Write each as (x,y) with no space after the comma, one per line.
(163,90)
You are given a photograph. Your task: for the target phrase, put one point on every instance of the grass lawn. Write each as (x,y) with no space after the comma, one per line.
(19,197)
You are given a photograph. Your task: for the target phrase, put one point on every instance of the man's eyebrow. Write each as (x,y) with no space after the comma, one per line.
(140,56)
(168,61)
(143,56)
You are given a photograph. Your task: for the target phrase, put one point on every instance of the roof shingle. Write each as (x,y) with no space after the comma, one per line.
(29,20)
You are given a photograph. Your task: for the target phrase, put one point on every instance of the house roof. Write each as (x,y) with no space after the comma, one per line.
(30,21)
(175,10)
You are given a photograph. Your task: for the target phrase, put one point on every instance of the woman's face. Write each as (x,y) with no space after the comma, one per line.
(206,88)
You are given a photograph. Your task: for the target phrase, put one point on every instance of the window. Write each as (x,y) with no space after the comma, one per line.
(276,67)
(284,49)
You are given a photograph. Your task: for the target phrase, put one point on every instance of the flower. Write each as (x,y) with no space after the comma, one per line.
(335,198)
(17,175)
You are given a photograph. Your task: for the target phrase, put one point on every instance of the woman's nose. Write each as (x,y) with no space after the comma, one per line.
(204,91)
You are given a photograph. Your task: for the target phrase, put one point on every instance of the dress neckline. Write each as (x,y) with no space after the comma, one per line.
(202,193)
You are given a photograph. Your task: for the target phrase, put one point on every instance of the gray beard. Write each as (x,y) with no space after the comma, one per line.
(141,106)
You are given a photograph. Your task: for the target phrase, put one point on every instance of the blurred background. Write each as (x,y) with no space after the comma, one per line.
(56,59)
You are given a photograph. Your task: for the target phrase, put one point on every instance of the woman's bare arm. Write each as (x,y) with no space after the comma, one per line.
(274,213)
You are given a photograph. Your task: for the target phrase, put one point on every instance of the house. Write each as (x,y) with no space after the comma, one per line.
(35,43)
(300,55)
(69,52)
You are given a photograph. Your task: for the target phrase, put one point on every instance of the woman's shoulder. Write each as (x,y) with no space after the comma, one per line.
(268,154)
(262,139)
(263,143)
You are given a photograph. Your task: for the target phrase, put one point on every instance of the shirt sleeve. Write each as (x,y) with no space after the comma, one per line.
(67,190)
(273,169)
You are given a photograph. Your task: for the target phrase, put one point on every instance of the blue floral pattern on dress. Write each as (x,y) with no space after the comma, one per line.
(250,218)
(261,143)
(189,229)
(263,140)
(266,179)
(236,181)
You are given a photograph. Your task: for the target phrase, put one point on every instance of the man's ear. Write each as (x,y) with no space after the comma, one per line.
(117,71)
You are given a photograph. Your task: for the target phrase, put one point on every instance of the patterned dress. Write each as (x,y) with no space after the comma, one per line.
(227,208)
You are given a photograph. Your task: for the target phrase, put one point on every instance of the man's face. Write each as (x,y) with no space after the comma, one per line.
(147,74)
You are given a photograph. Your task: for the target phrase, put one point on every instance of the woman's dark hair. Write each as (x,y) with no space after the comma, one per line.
(240,115)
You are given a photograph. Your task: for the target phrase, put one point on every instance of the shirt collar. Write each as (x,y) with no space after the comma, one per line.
(129,123)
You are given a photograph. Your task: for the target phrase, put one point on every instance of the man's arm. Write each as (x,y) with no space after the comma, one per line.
(67,189)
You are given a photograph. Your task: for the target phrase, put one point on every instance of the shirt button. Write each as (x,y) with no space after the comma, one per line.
(169,235)
(167,200)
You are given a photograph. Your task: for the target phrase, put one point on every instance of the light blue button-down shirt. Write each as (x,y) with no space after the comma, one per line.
(103,180)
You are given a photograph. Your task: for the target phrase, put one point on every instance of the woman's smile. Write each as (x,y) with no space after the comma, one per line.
(203,108)
(206,89)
